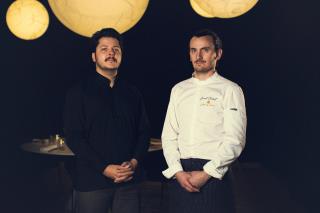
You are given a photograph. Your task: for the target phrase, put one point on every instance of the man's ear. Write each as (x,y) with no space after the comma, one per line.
(93,55)
(219,54)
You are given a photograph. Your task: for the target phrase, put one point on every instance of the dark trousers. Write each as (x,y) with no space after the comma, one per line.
(214,197)
(123,199)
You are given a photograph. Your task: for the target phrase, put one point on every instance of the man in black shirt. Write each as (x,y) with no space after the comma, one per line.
(106,126)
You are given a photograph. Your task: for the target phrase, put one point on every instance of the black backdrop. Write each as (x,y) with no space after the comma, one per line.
(271,52)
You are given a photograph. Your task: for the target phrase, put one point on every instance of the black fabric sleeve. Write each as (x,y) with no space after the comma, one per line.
(74,128)
(143,132)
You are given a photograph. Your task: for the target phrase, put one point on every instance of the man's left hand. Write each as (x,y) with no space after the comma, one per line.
(198,178)
(132,165)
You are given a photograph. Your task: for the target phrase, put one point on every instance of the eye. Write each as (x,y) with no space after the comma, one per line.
(206,49)
(116,50)
(192,50)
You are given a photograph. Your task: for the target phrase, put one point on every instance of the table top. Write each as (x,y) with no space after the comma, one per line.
(52,149)
(40,148)
(155,145)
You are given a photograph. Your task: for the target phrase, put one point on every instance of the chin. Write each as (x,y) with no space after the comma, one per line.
(110,69)
(202,70)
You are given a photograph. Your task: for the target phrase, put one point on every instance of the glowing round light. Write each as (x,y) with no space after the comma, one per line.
(199,10)
(88,16)
(226,8)
(27,19)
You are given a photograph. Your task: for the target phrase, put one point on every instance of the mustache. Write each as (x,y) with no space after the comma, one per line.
(111,58)
(200,60)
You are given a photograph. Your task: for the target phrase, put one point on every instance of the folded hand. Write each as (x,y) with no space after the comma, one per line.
(184,180)
(198,178)
(118,172)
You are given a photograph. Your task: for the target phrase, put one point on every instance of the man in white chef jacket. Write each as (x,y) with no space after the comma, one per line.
(203,133)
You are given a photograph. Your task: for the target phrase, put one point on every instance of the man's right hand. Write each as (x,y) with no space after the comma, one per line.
(117,171)
(183,179)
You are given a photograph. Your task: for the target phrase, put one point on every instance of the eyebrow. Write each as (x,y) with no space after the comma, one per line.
(103,45)
(206,47)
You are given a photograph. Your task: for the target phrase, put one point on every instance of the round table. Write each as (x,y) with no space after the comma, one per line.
(41,148)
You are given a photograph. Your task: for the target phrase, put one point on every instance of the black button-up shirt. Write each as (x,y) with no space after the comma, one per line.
(103,126)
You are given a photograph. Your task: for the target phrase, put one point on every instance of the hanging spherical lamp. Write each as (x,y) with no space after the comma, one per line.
(195,6)
(27,19)
(226,8)
(88,16)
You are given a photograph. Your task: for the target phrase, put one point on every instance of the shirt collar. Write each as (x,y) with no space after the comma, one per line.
(211,79)
(103,81)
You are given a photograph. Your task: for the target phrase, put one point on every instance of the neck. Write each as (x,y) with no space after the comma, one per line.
(203,75)
(109,74)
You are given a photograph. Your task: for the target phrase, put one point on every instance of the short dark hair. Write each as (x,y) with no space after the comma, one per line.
(215,38)
(105,32)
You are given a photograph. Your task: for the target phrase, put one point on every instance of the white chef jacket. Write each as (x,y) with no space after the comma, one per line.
(207,120)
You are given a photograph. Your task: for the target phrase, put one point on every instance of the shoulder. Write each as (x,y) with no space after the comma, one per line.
(228,89)
(78,88)
(228,86)
(181,86)
(129,88)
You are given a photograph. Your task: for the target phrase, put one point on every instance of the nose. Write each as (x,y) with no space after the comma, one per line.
(111,52)
(199,55)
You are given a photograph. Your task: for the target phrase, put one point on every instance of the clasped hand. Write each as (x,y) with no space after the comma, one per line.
(121,173)
(192,181)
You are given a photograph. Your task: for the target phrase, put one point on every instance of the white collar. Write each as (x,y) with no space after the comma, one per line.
(209,80)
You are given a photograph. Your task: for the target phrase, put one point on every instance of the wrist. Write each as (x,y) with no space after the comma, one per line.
(106,170)
(178,173)
(206,176)
(134,163)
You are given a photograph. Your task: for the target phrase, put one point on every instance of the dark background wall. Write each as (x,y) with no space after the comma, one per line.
(271,52)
